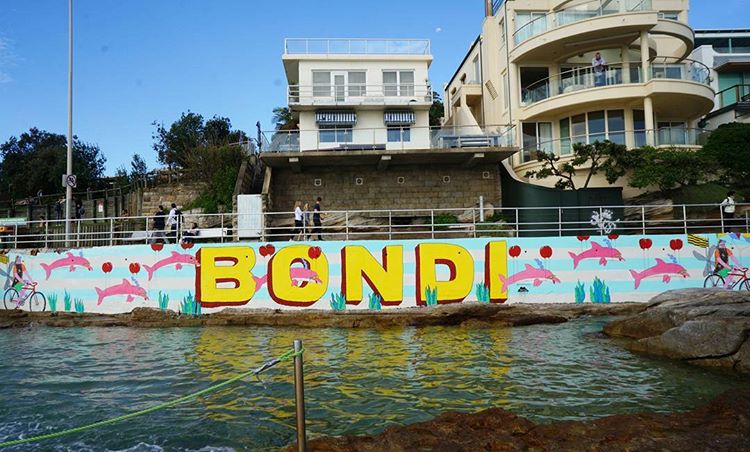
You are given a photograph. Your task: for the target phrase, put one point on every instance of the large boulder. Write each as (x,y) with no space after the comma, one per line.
(707,327)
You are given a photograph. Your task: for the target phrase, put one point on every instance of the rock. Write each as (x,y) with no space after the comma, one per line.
(707,327)
(720,425)
(466,314)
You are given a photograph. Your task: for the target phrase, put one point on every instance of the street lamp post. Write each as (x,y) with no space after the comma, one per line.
(69,169)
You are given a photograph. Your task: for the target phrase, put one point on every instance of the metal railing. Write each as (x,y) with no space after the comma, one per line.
(578,79)
(395,224)
(355,46)
(732,95)
(396,137)
(577,13)
(359,93)
(665,136)
(680,69)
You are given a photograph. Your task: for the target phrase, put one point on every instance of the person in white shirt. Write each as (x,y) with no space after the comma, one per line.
(172,222)
(298,216)
(600,69)
(728,206)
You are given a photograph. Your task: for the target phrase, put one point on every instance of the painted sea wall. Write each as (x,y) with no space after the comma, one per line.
(203,278)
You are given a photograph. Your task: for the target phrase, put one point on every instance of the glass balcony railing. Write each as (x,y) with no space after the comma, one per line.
(583,78)
(387,138)
(309,46)
(358,93)
(680,69)
(579,79)
(533,24)
(662,137)
(732,95)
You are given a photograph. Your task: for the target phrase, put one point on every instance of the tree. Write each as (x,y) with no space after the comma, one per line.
(36,160)
(138,168)
(189,133)
(667,168)
(437,110)
(283,119)
(602,156)
(729,147)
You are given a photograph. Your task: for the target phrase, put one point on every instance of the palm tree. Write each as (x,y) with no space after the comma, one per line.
(283,119)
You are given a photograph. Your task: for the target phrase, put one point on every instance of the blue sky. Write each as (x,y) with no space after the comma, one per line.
(140,61)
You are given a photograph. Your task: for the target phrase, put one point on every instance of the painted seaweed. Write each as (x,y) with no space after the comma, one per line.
(580,292)
(189,305)
(338,302)
(163,301)
(67,301)
(374,302)
(79,306)
(599,292)
(431,295)
(52,302)
(482,292)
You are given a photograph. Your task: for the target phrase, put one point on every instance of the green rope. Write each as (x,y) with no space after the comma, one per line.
(284,357)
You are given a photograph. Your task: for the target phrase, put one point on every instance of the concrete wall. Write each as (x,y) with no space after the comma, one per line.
(297,275)
(422,187)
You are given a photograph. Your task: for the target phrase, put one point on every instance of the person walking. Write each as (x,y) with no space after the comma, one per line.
(306,225)
(158,233)
(173,221)
(317,218)
(298,216)
(728,207)
(79,209)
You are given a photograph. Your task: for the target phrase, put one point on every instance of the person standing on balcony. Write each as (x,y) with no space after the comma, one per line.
(600,69)
(728,205)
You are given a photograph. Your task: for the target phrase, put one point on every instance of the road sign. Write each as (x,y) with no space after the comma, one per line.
(69,180)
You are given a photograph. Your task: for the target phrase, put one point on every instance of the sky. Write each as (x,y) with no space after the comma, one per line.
(137,62)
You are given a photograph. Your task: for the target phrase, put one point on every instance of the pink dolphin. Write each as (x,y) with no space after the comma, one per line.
(539,275)
(124,288)
(174,258)
(661,268)
(596,251)
(298,275)
(70,260)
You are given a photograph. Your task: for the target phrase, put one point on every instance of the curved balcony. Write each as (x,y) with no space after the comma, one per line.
(671,82)
(587,26)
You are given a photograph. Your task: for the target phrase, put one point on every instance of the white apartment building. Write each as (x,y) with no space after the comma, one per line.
(534,67)
(359,94)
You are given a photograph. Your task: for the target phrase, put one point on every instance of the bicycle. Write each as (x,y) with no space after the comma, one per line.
(13,300)
(716,280)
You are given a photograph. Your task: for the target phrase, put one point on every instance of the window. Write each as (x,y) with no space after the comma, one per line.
(477,71)
(335,135)
(399,134)
(639,126)
(671,133)
(502,33)
(506,91)
(673,71)
(537,136)
(321,84)
(398,83)
(671,15)
(357,84)
(590,127)
(528,24)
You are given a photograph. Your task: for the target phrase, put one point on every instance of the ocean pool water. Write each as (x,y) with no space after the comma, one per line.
(358,381)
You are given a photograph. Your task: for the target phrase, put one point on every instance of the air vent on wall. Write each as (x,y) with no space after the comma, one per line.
(491,89)
(486,175)
(400,180)
(446,179)
(359,181)
(317,182)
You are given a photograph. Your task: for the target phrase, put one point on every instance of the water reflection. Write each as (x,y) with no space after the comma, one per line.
(357,381)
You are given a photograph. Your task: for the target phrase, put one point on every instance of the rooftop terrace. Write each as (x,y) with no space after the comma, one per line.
(348,46)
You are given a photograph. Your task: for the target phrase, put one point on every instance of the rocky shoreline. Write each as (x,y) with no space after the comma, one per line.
(706,327)
(463,314)
(722,424)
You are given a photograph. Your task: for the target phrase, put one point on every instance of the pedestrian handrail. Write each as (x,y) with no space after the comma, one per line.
(390,224)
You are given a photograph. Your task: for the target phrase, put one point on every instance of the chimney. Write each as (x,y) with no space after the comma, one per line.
(487,8)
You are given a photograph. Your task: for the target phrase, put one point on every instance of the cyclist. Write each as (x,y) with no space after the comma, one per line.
(723,268)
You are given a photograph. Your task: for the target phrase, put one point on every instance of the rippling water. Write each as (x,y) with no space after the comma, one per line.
(357,381)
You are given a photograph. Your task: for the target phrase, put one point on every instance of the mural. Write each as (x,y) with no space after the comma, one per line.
(375,275)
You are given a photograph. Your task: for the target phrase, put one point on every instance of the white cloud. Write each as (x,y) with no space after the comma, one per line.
(6,59)
(438,30)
